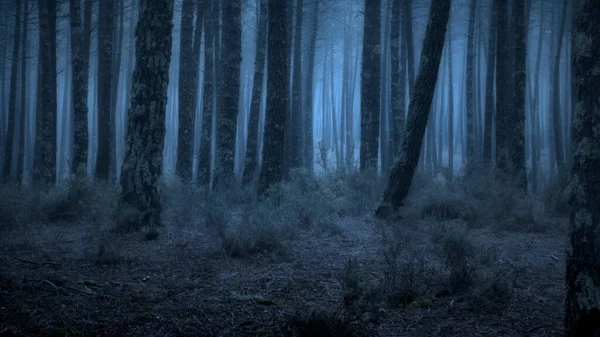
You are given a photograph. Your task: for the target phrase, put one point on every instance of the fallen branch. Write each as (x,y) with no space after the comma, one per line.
(29,261)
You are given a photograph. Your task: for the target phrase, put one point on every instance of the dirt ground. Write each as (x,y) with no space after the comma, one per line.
(68,281)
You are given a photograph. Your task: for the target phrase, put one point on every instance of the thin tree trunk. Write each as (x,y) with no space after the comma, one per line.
(470,78)
(398,85)
(251,160)
(410,46)
(308,115)
(105,52)
(296,119)
(502,89)
(403,170)
(208,95)
(278,74)
(450,106)
(517,143)
(116,74)
(489,85)
(22,125)
(555,93)
(79,87)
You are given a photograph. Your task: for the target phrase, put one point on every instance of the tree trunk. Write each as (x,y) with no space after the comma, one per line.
(22,126)
(308,115)
(398,85)
(418,112)
(370,86)
(503,95)
(208,95)
(105,52)
(535,108)
(142,166)
(118,24)
(582,275)
(79,88)
(295,131)
(517,143)
(555,94)
(12,98)
(185,137)
(471,80)
(278,74)
(231,58)
(252,146)
(450,107)
(45,142)
(489,85)
(410,45)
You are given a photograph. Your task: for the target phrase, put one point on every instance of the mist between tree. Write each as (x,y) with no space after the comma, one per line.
(299,167)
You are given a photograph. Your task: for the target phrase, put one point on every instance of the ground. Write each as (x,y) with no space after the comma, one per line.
(66,280)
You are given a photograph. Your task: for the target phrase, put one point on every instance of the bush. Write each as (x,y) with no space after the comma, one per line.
(458,254)
(556,193)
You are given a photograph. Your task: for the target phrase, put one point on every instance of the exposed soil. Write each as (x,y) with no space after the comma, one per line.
(64,280)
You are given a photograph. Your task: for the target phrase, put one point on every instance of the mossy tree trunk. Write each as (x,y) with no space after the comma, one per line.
(583,260)
(251,160)
(79,88)
(142,166)
(370,86)
(404,167)
(278,76)
(231,58)
(204,158)
(185,131)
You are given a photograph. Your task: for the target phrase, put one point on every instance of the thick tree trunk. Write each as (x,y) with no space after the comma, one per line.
(517,142)
(370,86)
(105,52)
(252,146)
(418,112)
(582,275)
(12,96)
(185,137)
(142,166)
(79,88)
(489,85)
(45,142)
(295,129)
(231,58)
(471,80)
(208,95)
(278,75)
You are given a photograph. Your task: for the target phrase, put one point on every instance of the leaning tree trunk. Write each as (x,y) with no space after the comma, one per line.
(489,86)
(278,76)
(231,58)
(371,86)
(142,166)
(251,160)
(185,131)
(45,134)
(105,32)
(403,169)
(79,87)
(204,158)
(517,139)
(583,278)
(12,96)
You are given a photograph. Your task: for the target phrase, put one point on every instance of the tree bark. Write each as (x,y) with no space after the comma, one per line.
(105,52)
(517,143)
(489,85)
(555,94)
(295,129)
(403,169)
(23,128)
(231,58)
(308,115)
(398,85)
(370,86)
(582,274)
(471,80)
(12,96)
(142,166)
(185,137)
(503,95)
(278,74)
(208,95)
(450,107)
(252,146)
(79,87)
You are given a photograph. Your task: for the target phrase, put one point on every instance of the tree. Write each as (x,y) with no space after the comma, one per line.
(295,130)
(22,125)
(308,115)
(471,79)
(398,85)
(79,87)
(45,135)
(105,51)
(582,275)
(517,141)
(231,58)
(403,169)
(489,86)
(142,166)
(278,75)
(555,95)
(251,160)
(12,96)
(185,138)
(207,95)
(371,86)
(503,95)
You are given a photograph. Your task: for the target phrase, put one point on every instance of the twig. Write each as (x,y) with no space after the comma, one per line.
(29,261)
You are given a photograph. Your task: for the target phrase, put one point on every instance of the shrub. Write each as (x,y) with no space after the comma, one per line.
(555,194)
(458,253)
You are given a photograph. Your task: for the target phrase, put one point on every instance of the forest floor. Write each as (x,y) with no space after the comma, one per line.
(360,277)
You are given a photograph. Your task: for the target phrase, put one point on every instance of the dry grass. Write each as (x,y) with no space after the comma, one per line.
(303,263)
